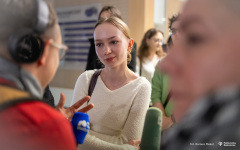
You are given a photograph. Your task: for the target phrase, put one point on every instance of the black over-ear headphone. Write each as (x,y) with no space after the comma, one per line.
(26,45)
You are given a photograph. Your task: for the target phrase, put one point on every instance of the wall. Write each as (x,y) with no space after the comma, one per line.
(122,5)
(140,18)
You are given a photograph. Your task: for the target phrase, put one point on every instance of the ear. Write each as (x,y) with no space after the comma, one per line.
(130,45)
(43,59)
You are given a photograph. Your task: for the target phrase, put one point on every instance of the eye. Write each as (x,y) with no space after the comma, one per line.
(157,40)
(98,44)
(173,31)
(194,39)
(114,42)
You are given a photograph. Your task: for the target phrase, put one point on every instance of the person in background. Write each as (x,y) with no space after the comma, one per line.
(93,61)
(149,53)
(30,49)
(161,96)
(205,77)
(117,120)
(174,28)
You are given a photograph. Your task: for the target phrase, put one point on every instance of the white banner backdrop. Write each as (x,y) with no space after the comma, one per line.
(77,25)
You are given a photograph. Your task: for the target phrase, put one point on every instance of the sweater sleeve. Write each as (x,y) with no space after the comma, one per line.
(81,87)
(93,143)
(135,121)
(157,83)
(132,129)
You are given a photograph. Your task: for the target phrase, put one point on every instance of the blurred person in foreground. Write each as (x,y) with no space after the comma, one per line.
(205,77)
(30,49)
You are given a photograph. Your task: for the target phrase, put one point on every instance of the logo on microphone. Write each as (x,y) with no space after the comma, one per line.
(83,125)
(220,143)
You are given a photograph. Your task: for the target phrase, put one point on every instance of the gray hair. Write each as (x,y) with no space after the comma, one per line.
(18,14)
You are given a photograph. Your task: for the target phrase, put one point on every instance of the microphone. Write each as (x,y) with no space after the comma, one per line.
(80,124)
(151,137)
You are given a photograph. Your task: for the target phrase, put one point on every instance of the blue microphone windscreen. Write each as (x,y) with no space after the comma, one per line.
(80,124)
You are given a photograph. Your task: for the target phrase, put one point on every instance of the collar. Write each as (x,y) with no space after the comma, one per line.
(22,79)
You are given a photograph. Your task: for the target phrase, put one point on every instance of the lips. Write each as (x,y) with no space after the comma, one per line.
(109,59)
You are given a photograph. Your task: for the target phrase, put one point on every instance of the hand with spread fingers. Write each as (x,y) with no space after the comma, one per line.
(69,112)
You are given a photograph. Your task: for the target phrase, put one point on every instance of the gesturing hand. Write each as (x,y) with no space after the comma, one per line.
(69,112)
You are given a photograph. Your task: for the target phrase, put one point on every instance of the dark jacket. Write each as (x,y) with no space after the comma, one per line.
(94,63)
(48,97)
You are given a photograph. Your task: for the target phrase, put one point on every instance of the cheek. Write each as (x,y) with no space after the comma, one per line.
(55,62)
(99,52)
(174,38)
(206,67)
(154,44)
(184,78)
(122,50)
(194,81)
(219,68)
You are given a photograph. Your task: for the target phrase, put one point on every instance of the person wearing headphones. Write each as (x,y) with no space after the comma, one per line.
(30,49)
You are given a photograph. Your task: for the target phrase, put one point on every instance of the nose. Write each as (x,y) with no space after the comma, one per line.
(175,62)
(107,50)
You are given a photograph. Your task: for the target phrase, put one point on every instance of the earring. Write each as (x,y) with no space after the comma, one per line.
(130,49)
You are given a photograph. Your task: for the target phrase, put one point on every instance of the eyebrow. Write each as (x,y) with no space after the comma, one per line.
(107,38)
(187,22)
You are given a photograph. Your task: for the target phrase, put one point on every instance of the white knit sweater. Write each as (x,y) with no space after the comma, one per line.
(118,116)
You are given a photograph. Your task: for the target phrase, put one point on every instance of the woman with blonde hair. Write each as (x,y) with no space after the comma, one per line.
(149,53)
(120,96)
(93,61)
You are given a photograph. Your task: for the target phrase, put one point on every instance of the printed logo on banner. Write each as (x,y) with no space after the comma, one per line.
(91,11)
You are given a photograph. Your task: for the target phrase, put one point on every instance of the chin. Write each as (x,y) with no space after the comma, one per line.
(111,64)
